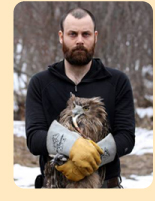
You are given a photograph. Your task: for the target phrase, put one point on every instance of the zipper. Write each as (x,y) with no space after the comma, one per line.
(75,88)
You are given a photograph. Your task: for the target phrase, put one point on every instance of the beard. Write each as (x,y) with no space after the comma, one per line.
(79,55)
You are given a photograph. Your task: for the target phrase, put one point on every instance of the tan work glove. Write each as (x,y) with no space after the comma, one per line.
(70,171)
(85,154)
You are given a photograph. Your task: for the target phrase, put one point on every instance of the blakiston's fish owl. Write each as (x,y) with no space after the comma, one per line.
(86,116)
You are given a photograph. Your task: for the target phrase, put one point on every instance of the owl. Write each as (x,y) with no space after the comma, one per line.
(86,116)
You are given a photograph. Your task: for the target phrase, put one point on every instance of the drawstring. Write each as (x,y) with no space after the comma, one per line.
(119,183)
(75,88)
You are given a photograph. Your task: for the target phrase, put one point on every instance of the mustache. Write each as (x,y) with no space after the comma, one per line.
(79,47)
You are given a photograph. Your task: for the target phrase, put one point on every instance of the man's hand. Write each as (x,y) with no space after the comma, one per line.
(85,154)
(70,171)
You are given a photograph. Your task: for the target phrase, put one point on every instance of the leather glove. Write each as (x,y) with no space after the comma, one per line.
(108,146)
(85,154)
(70,171)
(60,139)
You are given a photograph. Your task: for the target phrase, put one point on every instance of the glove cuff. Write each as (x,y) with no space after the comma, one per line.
(60,139)
(109,149)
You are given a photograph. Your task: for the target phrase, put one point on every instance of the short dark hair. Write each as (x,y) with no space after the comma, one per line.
(77,13)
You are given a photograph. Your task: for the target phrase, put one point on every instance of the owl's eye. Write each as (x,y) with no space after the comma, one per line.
(86,108)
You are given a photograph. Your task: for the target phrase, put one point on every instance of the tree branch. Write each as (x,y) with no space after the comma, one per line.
(22,72)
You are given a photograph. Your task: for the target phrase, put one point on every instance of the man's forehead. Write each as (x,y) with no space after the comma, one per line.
(72,23)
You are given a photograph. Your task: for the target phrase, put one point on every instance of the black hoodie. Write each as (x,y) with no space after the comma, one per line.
(49,91)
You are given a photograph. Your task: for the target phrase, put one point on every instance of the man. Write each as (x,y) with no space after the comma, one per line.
(86,77)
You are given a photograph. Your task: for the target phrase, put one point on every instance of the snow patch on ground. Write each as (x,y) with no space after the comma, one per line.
(137,182)
(143,141)
(142,112)
(24,177)
(19,129)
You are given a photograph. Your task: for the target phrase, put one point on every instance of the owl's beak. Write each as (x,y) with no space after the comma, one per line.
(78,110)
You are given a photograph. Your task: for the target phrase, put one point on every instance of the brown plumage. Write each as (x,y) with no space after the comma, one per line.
(91,122)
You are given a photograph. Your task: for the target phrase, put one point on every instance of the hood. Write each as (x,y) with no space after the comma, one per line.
(97,71)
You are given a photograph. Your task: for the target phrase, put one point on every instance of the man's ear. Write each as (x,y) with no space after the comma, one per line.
(96,34)
(60,33)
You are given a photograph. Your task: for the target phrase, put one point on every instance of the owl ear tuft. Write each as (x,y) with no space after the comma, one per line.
(97,99)
(72,95)
(71,99)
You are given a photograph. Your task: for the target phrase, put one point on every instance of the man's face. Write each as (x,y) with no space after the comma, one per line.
(78,40)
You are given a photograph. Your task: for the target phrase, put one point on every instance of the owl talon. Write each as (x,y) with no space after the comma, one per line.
(58,159)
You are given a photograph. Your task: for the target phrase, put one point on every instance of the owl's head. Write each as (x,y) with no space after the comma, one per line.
(87,116)
(88,107)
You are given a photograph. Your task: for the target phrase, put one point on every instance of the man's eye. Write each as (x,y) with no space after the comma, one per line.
(72,34)
(86,34)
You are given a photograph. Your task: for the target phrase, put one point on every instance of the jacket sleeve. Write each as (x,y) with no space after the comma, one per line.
(36,125)
(124,120)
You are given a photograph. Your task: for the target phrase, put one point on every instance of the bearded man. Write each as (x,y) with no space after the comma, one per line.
(87,77)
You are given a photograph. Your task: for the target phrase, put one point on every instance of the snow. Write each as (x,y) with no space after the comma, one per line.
(15,106)
(143,142)
(19,48)
(20,81)
(19,129)
(142,112)
(149,97)
(148,84)
(127,43)
(147,69)
(136,182)
(24,177)
(137,62)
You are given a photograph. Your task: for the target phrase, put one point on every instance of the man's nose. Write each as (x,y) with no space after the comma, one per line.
(79,39)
